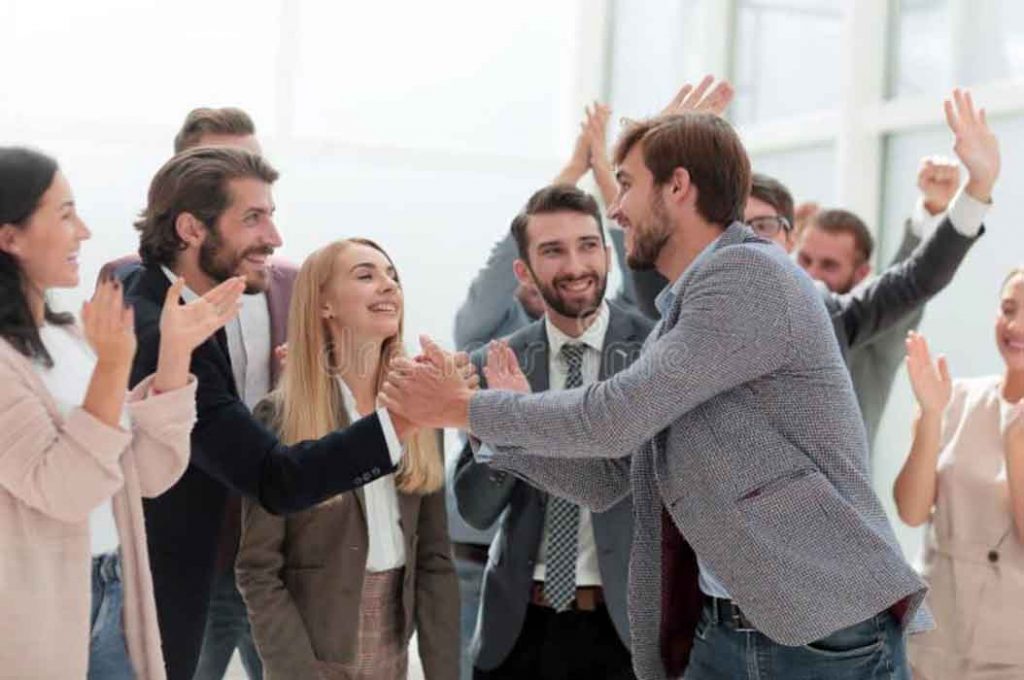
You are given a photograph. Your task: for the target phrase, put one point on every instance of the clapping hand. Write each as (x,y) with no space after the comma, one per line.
(701,98)
(183,327)
(109,326)
(432,390)
(931,382)
(502,370)
(974,144)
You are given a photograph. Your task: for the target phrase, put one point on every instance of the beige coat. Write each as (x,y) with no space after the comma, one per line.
(973,559)
(302,579)
(53,472)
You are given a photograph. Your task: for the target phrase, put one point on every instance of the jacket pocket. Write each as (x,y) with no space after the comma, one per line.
(775,485)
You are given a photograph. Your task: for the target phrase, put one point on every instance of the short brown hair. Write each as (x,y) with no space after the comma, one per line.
(837,221)
(207,121)
(552,199)
(707,147)
(194,182)
(774,193)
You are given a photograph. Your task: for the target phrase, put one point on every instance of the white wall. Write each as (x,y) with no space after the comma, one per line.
(424,126)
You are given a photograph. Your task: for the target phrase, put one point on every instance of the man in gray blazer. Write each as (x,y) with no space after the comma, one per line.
(871,315)
(521,632)
(737,428)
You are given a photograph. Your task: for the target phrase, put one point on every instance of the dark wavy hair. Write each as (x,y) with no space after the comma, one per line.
(25,175)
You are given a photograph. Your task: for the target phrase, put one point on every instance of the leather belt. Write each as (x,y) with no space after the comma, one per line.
(727,612)
(588,598)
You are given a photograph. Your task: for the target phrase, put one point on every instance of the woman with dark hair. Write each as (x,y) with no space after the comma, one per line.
(338,590)
(964,479)
(77,452)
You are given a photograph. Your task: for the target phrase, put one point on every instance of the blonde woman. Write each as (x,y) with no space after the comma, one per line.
(338,590)
(964,479)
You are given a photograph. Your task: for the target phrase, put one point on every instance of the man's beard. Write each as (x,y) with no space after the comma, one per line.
(649,240)
(220,265)
(573,310)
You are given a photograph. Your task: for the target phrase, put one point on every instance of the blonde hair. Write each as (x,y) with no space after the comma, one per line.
(1016,271)
(308,399)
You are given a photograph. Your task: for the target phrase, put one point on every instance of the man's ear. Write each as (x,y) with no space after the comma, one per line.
(190,229)
(861,272)
(9,239)
(522,272)
(679,185)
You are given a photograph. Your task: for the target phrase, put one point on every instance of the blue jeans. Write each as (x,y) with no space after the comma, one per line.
(227,627)
(726,648)
(108,650)
(471,576)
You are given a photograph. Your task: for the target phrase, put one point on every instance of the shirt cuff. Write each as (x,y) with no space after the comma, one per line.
(967,213)
(922,223)
(390,436)
(482,453)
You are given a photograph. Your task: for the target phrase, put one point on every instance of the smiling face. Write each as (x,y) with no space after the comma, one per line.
(244,237)
(47,244)
(1010,323)
(568,262)
(363,299)
(640,210)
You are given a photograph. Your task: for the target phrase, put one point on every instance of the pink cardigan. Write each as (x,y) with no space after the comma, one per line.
(53,473)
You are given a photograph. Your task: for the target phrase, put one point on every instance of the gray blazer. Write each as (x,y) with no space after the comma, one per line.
(483,494)
(871,320)
(739,418)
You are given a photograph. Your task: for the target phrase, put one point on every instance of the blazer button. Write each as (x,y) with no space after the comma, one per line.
(993,556)
(375,471)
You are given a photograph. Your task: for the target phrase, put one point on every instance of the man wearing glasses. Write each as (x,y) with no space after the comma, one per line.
(871,316)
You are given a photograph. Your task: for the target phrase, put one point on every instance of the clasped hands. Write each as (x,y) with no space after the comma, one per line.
(434,389)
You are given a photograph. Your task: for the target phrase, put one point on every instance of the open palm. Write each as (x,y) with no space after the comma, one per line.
(690,98)
(502,369)
(974,143)
(186,326)
(931,382)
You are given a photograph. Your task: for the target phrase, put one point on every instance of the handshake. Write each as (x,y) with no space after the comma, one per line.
(435,388)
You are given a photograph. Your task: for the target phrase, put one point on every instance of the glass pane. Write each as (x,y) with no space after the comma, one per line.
(809,173)
(650,43)
(452,74)
(776,39)
(959,322)
(944,43)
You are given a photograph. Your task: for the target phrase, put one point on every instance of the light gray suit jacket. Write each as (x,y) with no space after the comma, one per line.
(740,419)
(484,494)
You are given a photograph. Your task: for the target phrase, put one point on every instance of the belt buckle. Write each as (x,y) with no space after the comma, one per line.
(739,620)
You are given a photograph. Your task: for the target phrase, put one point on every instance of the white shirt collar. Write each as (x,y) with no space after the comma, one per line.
(593,337)
(187,293)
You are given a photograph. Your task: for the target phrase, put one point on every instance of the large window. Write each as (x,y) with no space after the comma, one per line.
(942,43)
(787,56)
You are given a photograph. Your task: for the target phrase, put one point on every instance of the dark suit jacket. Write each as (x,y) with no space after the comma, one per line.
(483,494)
(231,453)
(302,577)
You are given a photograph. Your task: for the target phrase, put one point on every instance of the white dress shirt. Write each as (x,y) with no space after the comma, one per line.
(587,571)
(249,338)
(383,518)
(67,381)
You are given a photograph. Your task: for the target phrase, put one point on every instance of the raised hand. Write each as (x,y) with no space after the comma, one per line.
(938,179)
(595,128)
(109,326)
(702,98)
(974,144)
(502,369)
(183,327)
(931,383)
(430,391)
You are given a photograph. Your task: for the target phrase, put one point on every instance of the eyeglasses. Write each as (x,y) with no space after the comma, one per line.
(769,225)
